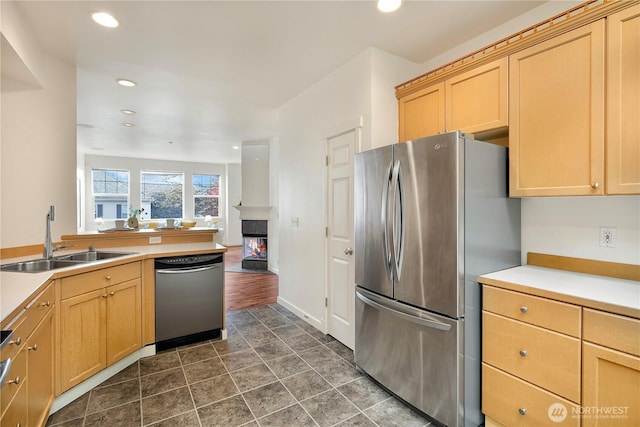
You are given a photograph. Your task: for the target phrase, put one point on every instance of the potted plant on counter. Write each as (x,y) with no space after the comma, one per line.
(133,221)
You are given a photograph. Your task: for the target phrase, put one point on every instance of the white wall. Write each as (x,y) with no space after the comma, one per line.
(274,197)
(233,233)
(344,96)
(570,226)
(38,143)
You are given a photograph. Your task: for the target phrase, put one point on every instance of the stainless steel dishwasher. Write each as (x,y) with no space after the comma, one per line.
(189,299)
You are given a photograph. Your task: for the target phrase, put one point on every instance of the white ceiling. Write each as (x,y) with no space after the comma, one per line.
(212,74)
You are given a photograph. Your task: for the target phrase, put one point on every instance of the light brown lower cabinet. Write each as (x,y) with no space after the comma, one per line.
(537,376)
(97,329)
(27,393)
(40,364)
(611,370)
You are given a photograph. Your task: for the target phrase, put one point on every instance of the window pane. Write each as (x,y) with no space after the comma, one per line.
(205,206)
(110,193)
(161,194)
(208,185)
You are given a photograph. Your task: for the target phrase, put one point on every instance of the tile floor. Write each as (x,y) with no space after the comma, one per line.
(273,370)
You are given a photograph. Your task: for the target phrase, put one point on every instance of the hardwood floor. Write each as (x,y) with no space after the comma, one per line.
(245,290)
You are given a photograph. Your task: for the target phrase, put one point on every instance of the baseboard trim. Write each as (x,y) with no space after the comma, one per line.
(72,394)
(317,323)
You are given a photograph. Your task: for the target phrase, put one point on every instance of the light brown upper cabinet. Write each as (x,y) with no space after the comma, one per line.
(623,102)
(556,109)
(421,113)
(474,101)
(477,101)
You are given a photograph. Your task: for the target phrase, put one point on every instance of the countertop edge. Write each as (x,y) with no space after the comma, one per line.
(36,282)
(558,294)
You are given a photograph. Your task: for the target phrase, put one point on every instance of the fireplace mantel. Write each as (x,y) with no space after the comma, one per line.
(254,212)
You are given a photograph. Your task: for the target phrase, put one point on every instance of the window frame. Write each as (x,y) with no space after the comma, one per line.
(147,205)
(95,200)
(205,196)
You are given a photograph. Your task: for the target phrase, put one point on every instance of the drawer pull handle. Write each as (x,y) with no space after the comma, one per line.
(595,185)
(523,353)
(17,341)
(524,309)
(45,304)
(104,296)
(15,381)
(523,411)
(112,293)
(33,347)
(108,277)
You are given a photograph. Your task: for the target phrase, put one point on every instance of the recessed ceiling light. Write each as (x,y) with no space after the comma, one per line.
(126,83)
(128,112)
(388,5)
(128,125)
(105,19)
(235,147)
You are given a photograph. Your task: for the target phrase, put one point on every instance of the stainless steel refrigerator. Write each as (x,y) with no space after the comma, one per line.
(431,215)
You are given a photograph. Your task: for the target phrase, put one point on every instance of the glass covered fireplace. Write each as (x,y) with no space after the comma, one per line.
(254,245)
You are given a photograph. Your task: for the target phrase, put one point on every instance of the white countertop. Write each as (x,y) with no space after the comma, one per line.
(599,292)
(16,287)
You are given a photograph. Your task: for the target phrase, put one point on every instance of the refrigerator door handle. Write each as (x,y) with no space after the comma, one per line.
(404,316)
(383,220)
(397,235)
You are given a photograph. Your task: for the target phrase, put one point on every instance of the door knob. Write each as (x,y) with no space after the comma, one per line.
(348,251)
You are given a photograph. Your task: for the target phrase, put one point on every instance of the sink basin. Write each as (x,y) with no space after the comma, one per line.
(39,265)
(92,256)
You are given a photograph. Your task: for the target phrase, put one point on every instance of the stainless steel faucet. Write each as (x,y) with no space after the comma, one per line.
(48,247)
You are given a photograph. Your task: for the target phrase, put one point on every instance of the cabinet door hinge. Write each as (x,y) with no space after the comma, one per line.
(326,232)
(326,160)
(326,302)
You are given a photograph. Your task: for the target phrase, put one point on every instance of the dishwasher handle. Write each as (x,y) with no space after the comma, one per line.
(187,269)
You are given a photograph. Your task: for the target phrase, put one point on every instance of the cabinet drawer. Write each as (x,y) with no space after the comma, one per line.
(86,282)
(39,307)
(16,376)
(505,398)
(20,328)
(16,413)
(545,358)
(546,313)
(611,330)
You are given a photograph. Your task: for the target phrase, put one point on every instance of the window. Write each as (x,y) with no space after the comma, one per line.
(110,193)
(161,194)
(206,191)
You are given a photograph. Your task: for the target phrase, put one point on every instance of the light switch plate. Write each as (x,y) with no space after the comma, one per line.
(155,240)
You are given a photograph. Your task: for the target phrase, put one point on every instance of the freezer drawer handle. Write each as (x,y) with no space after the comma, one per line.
(417,320)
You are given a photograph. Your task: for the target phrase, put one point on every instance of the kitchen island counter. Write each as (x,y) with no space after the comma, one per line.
(16,287)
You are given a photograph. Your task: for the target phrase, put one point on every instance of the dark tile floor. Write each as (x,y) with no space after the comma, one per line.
(273,370)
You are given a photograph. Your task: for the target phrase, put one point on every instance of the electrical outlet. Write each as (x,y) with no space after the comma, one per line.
(155,240)
(608,237)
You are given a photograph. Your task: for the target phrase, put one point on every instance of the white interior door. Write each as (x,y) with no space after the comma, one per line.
(340,274)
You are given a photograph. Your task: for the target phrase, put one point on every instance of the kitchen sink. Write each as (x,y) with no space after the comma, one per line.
(92,256)
(62,261)
(39,265)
